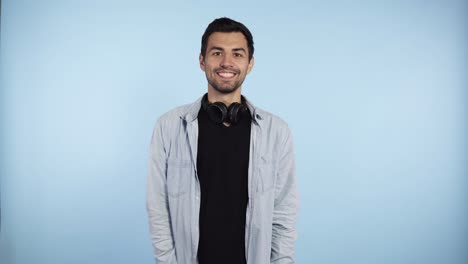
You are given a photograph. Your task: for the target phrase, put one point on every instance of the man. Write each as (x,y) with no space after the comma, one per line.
(221,182)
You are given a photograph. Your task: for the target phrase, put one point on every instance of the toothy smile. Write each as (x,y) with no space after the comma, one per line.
(226,74)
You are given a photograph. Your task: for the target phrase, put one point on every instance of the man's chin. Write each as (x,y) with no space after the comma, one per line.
(225,90)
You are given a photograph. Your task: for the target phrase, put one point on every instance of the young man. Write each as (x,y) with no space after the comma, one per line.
(221,181)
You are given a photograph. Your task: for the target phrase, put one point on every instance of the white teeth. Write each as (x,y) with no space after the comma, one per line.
(226,74)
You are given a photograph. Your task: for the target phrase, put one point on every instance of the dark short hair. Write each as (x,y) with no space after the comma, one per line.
(227,25)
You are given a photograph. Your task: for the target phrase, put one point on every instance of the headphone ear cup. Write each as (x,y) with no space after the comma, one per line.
(217,112)
(235,112)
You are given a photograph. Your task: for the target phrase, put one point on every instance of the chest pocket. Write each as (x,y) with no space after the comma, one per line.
(179,175)
(266,177)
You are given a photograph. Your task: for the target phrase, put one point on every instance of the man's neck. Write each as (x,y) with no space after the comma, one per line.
(227,99)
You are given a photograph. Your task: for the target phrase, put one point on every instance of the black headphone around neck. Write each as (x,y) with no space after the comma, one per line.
(220,113)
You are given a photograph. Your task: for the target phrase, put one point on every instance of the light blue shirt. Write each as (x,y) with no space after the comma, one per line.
(173,189)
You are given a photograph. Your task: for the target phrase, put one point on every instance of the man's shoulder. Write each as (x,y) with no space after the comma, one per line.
(172,120)
(174,114)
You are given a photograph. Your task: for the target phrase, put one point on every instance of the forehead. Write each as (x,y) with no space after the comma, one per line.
(227,40)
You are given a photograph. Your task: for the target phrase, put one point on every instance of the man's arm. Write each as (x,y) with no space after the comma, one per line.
(157,202)
(286,207)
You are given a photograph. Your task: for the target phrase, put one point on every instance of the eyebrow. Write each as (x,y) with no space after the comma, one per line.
(235,49)
(239,49)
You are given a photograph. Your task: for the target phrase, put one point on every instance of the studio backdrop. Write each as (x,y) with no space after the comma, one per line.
(375,93)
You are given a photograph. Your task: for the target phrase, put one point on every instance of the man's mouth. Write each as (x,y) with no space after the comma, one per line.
(226,74)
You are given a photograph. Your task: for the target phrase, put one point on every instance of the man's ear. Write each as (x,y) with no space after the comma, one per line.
(201,59)
(251,64)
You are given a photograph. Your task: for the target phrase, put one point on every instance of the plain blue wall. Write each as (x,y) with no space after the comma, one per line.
(374,91)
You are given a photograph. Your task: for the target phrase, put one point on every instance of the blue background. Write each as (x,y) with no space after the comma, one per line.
(374,92)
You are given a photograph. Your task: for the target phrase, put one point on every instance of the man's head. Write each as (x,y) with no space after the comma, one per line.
(227,25)
(226,54)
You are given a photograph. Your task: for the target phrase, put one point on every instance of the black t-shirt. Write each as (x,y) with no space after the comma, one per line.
(222,165)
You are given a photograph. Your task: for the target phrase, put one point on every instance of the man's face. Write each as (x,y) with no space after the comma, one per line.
(226,63)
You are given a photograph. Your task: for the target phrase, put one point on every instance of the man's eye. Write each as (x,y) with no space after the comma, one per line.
(217,53)
(237,55)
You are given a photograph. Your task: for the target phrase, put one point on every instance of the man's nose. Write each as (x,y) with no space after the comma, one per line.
(226,61)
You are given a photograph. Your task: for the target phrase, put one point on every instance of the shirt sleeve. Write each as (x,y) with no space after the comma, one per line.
(157,202)
(286,206)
